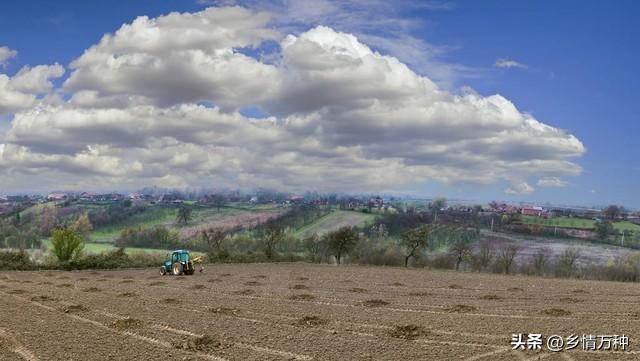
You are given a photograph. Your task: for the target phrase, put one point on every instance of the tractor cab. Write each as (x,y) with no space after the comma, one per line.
(179,263)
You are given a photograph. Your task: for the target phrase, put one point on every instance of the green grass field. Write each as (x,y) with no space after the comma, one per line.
(96,248)
(333,221)
(567,222)
(151,217)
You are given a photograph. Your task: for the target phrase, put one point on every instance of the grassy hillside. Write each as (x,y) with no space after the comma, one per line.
(567,222)
(152,216)
(335,220)
(96,248)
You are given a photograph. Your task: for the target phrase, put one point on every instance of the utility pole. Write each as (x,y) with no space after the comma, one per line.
(491,223)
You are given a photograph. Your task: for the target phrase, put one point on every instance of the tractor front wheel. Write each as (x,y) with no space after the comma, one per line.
(163,271)
(177,269)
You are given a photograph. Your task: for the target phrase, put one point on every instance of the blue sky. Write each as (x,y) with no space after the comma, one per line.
(577,70)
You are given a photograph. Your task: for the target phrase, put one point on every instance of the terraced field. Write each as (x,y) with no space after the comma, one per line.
(334,221)
(304,312)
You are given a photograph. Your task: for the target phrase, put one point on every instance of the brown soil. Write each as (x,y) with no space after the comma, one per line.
(127,323)
(461,309)
(367,318)
(408,332)
(556,312)
(311,321)
(375,303)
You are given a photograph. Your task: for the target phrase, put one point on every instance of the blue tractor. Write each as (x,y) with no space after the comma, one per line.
(180,262)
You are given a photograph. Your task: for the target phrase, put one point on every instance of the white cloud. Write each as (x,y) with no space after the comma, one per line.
(341,116)
(36,80)
(6,54)
(20,91)
(384,25)
(552,182)
(180,58)
(519,188)
(509,63)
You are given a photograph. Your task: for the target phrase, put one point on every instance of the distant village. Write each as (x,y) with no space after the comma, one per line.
(13,203)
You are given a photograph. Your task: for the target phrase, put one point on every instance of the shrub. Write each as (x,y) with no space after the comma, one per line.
(15,260)
(442,261)
(66,244)
(155,237)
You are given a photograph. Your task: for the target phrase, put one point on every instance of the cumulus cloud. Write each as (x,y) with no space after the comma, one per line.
(21,90)
(383,25)
(6,54)
(552,182)
(180,58)
(520,188)
(147,106)
(509,63)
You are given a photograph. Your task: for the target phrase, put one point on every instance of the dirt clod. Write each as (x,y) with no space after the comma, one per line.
(491,297)
(358,290)
(555,312)
(515,289)
(408,332)
(224,310)
(204,343)
(157,283)
(244,292)
(127,294)
(197,287)
(74,308)
(65,285)
(252,283)
(127,323)
(455,287)
(375,303)
(17,292)
(421,294)
(461,309)
(299,287)
(570,300)
(311,321)
(43,298)
(91,289)
(302,297)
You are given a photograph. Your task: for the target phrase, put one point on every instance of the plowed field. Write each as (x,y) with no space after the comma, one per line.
(304,312)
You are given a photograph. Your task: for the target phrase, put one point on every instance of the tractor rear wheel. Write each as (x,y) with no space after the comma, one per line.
(177,269)
(163,271)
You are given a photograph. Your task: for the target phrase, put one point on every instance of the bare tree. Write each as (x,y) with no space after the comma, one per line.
(316,246)
(342,241)
(271,236)
(414,241)
(567,262)
(539,260)
(219,201)
(213,239)
(612,212)
(485,254)
(184,215)
(460,248)
(460,251)
(507,255)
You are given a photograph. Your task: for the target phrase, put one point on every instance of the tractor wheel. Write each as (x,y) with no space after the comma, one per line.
(177,268)
(163,271)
